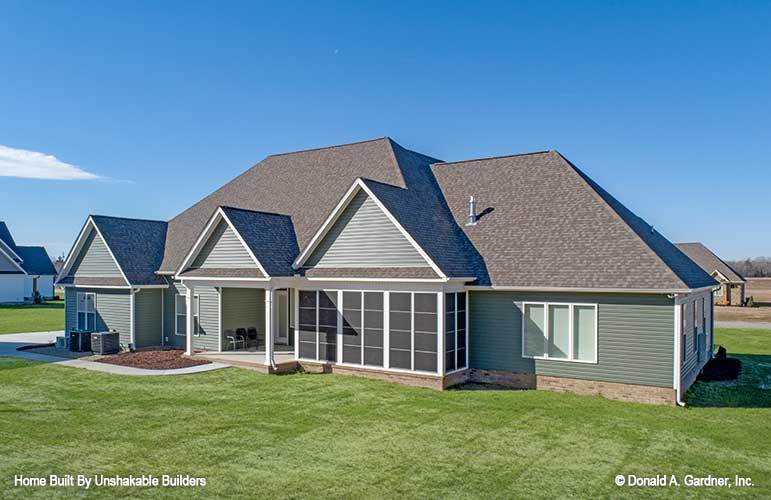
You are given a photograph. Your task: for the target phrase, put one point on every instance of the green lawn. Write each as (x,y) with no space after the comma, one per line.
(32,318)
(327,436)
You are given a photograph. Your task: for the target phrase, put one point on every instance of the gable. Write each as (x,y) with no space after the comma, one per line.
(94,259)
(223,250)
(7,266)
(364,236)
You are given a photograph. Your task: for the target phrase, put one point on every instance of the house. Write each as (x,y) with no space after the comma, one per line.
(24,270)
(732,284)
(374,260)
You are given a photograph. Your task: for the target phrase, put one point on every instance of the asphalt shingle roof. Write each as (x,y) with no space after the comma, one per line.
(5,236)
(270,237)
(36,260)
(546,224)
(305,185)
(137,245)
(543,222)
(709,262)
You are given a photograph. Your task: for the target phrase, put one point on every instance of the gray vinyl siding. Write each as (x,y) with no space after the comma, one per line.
(147,317)
(208,336)
(94,259)
(363,236)
(242,308)
(113,311)
(169,318)
(224,250)
(692,365)
(635,337)
(7,265)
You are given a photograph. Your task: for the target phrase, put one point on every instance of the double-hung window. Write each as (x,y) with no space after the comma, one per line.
(86,311)
(180,315)
(559,331)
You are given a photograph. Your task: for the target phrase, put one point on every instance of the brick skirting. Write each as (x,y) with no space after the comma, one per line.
(410,379)
(610,390)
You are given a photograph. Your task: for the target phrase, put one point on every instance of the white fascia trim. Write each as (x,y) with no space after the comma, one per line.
(383,280)
(214,278)
(10,250)
(327,225)
(139,287)
(13,261)
(357,185)
(108,287)
(204,236)
(241,239)
(570,289)
(78,247)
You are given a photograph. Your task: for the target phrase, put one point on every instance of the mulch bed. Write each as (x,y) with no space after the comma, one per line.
(153,360)
(718,369)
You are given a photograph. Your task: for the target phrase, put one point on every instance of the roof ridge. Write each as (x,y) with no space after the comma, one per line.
(500,157)
(583,178)
(328,147)
(128,218)
(229,207)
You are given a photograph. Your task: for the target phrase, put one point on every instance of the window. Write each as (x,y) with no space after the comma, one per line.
(560,331)
(180,315)
(86,308)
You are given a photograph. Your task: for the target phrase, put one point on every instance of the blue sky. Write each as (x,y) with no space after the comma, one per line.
(667,105)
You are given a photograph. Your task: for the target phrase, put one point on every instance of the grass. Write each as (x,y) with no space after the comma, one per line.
(44,317)
(753,347)
(327,436)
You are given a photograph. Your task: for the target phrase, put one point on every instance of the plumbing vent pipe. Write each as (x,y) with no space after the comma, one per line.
(472,207)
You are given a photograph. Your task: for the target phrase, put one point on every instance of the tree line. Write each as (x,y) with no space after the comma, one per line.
(756,267)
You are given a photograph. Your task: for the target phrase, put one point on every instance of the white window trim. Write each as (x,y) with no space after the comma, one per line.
(78,311)
(571,306)
(196,314)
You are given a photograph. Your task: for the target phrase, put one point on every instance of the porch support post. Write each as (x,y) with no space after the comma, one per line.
(269,325)
(189,319)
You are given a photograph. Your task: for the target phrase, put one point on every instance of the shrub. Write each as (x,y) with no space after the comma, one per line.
(721,369)
(750,302)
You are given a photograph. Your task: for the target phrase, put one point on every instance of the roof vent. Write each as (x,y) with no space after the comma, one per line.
(472,214)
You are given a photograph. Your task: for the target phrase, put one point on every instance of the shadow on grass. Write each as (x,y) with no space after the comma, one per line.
(752,389)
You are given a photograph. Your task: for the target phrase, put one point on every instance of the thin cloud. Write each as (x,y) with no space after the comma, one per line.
(33,165)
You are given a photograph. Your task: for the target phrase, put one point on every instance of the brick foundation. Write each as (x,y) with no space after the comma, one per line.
(610,390)
(410,379)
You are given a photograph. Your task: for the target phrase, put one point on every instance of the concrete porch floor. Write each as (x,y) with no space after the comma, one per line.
(255,360)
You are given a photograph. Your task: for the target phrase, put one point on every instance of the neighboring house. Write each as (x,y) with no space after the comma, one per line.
(23,270)
(369,258)
(731,291)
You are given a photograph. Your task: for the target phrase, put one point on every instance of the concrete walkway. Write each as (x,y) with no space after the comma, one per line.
(753,325)
(10,342)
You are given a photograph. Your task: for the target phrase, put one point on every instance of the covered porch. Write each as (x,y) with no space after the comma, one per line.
(241,322)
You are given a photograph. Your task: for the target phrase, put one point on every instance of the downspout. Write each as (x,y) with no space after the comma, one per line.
(678,353)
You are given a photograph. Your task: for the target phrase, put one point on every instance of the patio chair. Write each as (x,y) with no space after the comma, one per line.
(251,337)
(234,339)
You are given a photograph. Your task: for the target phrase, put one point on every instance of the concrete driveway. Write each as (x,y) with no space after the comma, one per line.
(9,343)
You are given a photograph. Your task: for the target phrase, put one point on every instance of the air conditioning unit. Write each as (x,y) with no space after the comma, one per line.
(80,341)
(63,343)
(105,342)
